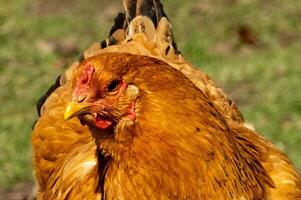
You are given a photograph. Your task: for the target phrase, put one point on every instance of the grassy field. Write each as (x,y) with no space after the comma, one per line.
(39,38)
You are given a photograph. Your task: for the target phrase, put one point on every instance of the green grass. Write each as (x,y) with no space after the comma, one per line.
(265,80)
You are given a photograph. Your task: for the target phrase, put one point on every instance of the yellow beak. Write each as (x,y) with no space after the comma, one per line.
(75,109)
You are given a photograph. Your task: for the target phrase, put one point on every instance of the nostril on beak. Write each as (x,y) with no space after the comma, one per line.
(81,98)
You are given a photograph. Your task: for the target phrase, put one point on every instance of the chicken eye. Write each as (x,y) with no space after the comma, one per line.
(113,86)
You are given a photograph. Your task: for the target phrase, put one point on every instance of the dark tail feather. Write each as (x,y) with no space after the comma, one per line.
(130,9)
(151,8)
(133,8)
(117,32)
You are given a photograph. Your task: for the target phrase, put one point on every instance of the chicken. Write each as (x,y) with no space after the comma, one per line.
(159,131)
(73,161)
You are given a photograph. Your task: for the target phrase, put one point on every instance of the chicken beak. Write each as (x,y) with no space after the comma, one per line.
(75,109)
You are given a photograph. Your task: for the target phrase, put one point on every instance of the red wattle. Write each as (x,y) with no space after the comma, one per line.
(102,123)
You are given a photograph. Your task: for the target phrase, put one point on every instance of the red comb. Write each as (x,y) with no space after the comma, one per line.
(82,85)
(86,74)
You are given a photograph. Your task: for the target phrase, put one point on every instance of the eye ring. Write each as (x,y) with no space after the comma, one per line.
(113,86)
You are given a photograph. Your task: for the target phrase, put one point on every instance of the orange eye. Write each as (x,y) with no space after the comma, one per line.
(113,86)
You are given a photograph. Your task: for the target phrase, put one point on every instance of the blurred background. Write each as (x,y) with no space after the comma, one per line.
(251,48)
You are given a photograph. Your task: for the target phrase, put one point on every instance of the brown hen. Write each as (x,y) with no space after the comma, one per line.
(163,138)
(193,146)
